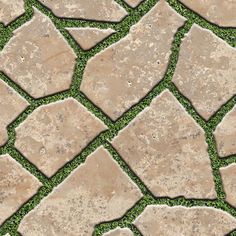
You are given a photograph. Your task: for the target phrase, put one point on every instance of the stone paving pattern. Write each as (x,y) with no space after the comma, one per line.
(118,118)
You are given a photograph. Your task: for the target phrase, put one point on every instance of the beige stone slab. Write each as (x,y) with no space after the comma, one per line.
(206,71)
(195,221)
(54,134)
(228,175)
(102,10)
(120,75)
(225,134)
(220,12)
(88,37)
(166,148)
(133,3)
(10,10)
(119,232)
(38,58)
(11,105)
(95,192)
(16,186)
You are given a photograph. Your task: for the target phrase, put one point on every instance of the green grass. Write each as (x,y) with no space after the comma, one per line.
(122,29)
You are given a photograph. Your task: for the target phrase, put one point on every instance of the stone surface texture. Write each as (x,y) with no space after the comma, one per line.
(16,186)
(166,148)
(178,220)
(95,192)
(119,232)
(87,37)
(44,62)
(133,3)
(54,134)
(206,71)
(102,10)
(11,105)
(119,76)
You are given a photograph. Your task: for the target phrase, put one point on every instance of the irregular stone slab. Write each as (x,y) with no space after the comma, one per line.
(11,105)
(102,10)
(10,10)
(119,232)
(133,3)
(218,12)
(122,74)
(166,148)
(95,192)
(178,220)
(206,71)
(16,186)
(228,175)
(87,37)
(38,58)
(54,134)
(225,134)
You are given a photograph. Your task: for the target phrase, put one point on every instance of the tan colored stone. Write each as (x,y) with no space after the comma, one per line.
(206,71)
(10,10)
(87,37)
(225,134)
(95,192)
(220,12)
(16,186)
(11,105)
(54,134)
(166,148)
(228,175)
(195,221)
(38,58)
(122,74)
(133,3)
(119,232)
(102,10)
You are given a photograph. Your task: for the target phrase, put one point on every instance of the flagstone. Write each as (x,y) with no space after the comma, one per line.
(133,3)
(119,232)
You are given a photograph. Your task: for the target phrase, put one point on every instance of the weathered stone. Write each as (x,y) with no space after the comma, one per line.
(38,58)
(54,134)
(16,186)
(122,74)
(10,10)
(87,37)
(178,220)
(219,12)
(102,10)
(133,3)
(228,175)
(225,134)
(206,71)
(166,148)
(95,192)
(119,232)
(11,105)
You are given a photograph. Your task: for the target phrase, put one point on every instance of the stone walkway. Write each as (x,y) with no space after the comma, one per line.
(118,118)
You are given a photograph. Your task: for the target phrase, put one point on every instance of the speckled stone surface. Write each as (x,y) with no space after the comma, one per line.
(16,186)
(102,10)
(228,175)
(119,232)
(166,148)
(196,221)
(119,76)
(133,3)
(206,71)
(44,62)
(95,192)
(54,134)
(87,37)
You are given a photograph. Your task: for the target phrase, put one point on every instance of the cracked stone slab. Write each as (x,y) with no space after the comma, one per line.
(119,76)
(44,62)
(133,3)
(228,175)
(88,37)
(219,12)
(16,186)
(11,105)
(54,134)
(184,221)
(119,232)
(225,134)
(166,148)
(10,10)
(102,10)
(97,191)
(206,71)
